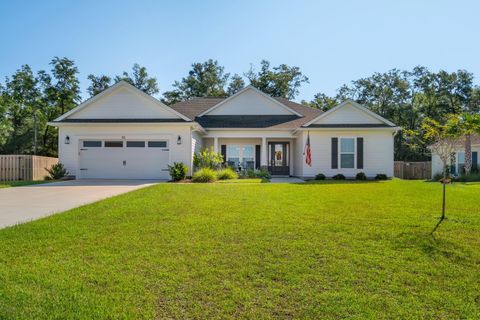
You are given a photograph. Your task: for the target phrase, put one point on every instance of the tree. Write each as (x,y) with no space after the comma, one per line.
(322,102)
(207,79)
(98,84)
(282,81)
(5,125)
(139,79)
(20,100)
(61,93)
(236,84)
(443,140)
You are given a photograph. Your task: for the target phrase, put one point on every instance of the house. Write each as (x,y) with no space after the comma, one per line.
(123,133)
(457,162)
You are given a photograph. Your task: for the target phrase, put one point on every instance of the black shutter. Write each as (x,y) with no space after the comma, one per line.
(359,153)
(475,160)
(257,156)
(224,152)
(334,153)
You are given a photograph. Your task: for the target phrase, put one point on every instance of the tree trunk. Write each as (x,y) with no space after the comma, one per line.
(468,154)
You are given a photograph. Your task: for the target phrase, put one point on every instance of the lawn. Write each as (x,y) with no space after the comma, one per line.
(253,250)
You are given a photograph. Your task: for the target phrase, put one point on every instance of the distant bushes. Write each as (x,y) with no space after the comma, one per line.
(361,176)
(226,174)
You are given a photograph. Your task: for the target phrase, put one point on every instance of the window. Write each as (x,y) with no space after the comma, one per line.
(241,155)
(460,162)
(92,144)
(233,155)
(248,156)
(347,153)
(135,144)
(157,144)
(113,144)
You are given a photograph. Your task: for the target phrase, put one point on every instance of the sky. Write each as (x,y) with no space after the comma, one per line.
(333,42)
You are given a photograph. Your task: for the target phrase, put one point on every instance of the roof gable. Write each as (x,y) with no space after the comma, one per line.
(122,101)
(249,101)
(350,113)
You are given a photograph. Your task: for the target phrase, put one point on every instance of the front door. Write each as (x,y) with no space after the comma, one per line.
(278,156)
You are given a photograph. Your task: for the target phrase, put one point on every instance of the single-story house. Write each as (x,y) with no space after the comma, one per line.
(123,133)
(457,161)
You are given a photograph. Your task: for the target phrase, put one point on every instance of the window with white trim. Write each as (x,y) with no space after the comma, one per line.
(347,153)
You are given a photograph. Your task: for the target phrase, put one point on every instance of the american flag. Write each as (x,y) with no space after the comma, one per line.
(307,151)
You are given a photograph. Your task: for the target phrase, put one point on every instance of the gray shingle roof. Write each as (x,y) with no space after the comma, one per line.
(192,108)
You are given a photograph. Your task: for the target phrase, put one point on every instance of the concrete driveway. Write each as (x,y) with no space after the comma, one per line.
(22,204)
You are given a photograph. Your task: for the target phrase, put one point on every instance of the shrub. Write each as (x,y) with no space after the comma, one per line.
(338,177)
(251,174)
(472,177)
(178,171)
(438,177)
(204,175)
(207,158)
(56,171)
(320,176)
(381,176)
(361,176)
(226,174)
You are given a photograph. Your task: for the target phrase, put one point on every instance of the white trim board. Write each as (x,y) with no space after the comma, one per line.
(355,105)
(112,88)
(250,87)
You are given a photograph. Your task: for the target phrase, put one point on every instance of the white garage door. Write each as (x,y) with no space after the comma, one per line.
(119,159)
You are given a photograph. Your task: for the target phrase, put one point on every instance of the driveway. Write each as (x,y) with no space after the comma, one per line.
(22,204)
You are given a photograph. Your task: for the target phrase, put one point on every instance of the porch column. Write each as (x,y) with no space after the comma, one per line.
(263,154)
(215,144)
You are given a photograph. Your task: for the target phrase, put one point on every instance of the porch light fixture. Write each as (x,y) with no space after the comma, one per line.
(179,140)
(67,140)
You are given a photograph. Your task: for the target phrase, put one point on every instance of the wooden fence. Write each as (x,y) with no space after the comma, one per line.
(413,170)
(24,167)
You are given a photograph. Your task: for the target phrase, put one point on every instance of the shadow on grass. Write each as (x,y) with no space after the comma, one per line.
(340,182)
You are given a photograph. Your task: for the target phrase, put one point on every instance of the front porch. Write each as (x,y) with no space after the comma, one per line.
(274,154)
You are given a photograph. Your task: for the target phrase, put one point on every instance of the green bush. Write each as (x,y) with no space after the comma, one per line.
(320,176)
(204,175)
(252,174)
(207,158)
(338,177)
(472,177)
(438,177)
(178,171)
(226,174)
(361,176)
(381,176)
(56,171)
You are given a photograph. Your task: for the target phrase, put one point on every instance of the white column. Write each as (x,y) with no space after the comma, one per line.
(215,144)
(263,153)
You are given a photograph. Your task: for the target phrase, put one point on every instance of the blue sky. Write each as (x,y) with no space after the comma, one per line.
(333,42)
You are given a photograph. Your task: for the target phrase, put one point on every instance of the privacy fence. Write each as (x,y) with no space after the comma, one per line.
(24,167)
(413,170)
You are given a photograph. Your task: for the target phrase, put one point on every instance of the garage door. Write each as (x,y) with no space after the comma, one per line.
(120,159)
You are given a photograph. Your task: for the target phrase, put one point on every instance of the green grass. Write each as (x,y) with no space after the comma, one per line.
(257,251)
(9,184)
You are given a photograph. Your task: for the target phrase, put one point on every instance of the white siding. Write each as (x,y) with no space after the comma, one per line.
(348,114)
(197,145)
(377,154)
(298,158)
(437,163)
(68,153)
(123,103)
(249,103)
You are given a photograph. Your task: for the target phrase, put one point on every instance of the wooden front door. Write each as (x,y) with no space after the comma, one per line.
(278,158)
